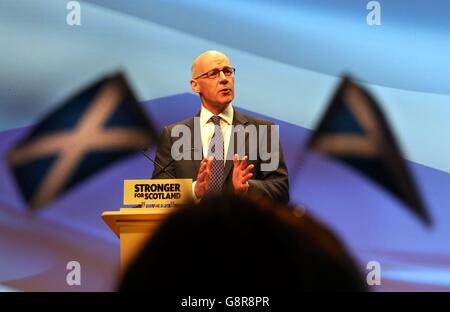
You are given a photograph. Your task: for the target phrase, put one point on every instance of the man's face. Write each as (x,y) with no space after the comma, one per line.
(216,93)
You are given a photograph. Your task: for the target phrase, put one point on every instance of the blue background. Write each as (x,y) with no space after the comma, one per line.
(289,57)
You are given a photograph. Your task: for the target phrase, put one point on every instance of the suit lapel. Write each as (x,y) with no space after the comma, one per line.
(238,119)
(196,143)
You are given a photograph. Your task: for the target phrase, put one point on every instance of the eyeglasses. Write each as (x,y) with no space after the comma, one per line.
(212,74)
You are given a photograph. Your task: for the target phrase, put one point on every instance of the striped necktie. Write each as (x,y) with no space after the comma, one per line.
(216,149)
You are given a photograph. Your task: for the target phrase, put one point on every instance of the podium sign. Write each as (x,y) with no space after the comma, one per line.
(134,226)
(165,192)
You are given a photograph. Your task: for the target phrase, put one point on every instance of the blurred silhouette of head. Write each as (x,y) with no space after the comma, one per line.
(231,242)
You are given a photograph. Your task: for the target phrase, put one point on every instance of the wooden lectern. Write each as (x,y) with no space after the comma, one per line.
(134,226)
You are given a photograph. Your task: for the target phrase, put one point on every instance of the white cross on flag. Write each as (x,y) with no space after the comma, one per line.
(96,127)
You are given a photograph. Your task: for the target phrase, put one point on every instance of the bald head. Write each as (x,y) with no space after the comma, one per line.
(216,91)
(203,61)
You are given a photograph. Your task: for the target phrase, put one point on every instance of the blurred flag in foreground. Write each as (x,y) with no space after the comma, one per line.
(96,127)
(355,131)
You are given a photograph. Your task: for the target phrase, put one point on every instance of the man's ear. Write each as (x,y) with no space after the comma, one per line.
(194,86)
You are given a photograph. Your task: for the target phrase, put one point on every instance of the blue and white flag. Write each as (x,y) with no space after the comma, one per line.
(354,131)
(98,126)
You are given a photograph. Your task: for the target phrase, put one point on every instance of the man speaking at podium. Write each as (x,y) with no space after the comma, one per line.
(215,163)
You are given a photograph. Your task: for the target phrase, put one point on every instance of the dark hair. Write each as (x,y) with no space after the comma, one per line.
(238,243)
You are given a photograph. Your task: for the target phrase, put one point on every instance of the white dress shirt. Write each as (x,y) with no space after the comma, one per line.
(207,128)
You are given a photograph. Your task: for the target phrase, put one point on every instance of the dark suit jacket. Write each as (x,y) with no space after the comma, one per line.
(274,184)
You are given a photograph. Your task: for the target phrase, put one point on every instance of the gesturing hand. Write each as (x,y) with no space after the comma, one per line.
(203,177)
(241,174)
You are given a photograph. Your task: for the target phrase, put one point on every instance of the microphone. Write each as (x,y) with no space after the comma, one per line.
(163,168)
(173,160)
(157,164)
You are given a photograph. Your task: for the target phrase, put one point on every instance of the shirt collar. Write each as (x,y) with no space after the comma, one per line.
(226,115)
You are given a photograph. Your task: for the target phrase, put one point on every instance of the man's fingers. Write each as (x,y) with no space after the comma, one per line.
(207,171)
(248,169)
(204,162)
(201,172)
(201,176)
(209,164)
(202,168)
(207,174)
(246,177)
(235,160)
(244,187)
(244,163)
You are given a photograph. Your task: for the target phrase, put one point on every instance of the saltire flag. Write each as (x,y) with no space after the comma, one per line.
(96,127)
(354,131)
